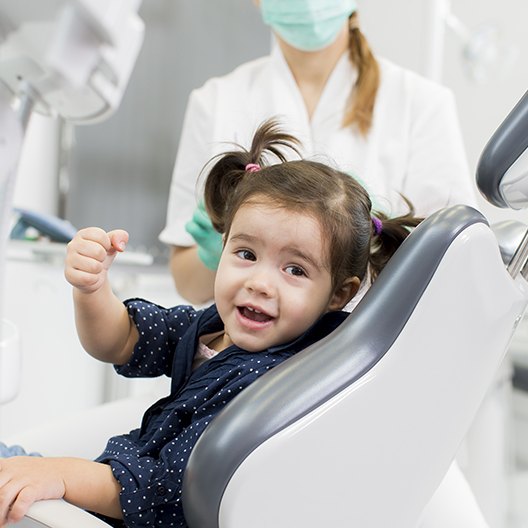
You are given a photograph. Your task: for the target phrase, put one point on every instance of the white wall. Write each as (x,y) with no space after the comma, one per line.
(400,31)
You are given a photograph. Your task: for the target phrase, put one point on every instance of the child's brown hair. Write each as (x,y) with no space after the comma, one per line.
(358,239)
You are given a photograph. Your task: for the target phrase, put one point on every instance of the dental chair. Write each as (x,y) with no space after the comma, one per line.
(359,429)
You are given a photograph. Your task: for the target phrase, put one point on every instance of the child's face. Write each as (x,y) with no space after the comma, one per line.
(273,280)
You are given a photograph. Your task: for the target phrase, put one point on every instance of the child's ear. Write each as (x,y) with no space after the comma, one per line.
(344,293)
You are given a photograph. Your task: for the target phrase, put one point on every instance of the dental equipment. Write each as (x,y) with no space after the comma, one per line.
(485,52)
(74,67)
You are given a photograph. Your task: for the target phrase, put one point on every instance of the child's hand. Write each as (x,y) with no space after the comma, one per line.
(89,256)
(25,480)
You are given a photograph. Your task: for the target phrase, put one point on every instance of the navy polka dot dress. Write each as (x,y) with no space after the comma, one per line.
(149,461)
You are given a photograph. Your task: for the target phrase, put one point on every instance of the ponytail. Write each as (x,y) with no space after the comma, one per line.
(360,107)
(231,168)
(388,234)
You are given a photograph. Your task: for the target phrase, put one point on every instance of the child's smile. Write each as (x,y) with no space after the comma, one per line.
(253,316)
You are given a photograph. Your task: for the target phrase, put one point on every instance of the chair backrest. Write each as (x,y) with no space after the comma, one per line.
(340,434)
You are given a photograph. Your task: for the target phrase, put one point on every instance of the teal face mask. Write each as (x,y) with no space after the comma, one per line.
(307,25)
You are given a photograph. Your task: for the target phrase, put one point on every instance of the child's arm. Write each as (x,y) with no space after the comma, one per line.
(104,327)
(25,480)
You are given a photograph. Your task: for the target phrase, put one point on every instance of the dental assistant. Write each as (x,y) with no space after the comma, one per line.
(394,130)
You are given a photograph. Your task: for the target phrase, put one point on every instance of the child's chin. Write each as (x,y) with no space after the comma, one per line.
(252,345)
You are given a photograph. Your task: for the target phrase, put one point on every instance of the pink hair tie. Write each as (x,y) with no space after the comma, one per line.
(252,167)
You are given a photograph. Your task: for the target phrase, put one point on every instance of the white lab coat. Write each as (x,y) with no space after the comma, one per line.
(414,147)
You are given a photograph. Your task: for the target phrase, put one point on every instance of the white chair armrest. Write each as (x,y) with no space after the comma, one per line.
(85,433)
(59,514)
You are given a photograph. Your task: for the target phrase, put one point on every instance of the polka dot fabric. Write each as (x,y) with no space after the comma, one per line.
(149,462)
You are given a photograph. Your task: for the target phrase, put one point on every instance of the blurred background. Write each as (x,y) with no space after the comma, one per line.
(118,172)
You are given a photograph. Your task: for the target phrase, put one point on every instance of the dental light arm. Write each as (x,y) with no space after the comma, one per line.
(75,65)
(78,64)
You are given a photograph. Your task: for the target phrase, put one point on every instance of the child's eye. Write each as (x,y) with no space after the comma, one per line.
(295,270)
(245,254)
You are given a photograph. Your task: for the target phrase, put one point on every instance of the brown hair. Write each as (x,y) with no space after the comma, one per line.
(360,107)
(340,204)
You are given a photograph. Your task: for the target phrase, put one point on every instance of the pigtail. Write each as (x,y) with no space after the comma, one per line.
(232,167)
(387,236)
(269,138)
(221,183)
(360,108)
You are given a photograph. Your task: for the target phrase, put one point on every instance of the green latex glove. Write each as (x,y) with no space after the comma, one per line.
(208,239)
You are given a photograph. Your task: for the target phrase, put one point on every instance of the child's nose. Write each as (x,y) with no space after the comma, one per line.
(260,282)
